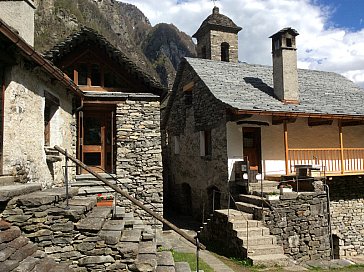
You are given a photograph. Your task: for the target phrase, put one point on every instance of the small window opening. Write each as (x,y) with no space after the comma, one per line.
(277,44)
(95,75)
(205,143)
(225,47)
(82,74)
(204,52)
(289,42)
(51,107)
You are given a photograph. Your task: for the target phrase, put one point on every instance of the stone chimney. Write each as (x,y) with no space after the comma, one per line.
(19,14)
(285,78)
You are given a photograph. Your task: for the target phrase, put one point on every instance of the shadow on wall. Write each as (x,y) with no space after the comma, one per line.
(214,199)
(186,199)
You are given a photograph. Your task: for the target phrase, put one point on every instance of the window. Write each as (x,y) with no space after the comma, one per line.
(203,52)
(277,44)
(205,143)
(51,106)
(289,42)
(187,90)
(95,75)
(225,47)
(82,74)
(176,144)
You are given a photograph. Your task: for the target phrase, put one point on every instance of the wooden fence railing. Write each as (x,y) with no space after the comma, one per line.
(335,160)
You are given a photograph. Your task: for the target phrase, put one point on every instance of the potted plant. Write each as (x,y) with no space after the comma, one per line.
(272,196)
(285,188)
(102,200)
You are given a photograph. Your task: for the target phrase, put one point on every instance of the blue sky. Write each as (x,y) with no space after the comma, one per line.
(346,13)
(331,31)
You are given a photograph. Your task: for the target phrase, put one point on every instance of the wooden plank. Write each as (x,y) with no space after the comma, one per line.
(189,86)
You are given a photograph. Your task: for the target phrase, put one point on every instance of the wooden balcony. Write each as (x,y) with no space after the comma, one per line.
(333,160)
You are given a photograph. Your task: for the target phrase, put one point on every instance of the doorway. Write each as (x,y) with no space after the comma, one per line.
(252,147)
(97,138)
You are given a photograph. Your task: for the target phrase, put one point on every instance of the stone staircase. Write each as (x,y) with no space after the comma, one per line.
(87,184)
(268,186)
(81,236)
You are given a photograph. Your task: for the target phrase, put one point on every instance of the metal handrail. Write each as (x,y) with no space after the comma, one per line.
(132,199)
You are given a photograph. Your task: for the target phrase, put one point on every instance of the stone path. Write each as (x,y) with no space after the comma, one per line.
(179,244)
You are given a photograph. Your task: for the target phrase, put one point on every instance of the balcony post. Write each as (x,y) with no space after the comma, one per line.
(341,148)
(286,147)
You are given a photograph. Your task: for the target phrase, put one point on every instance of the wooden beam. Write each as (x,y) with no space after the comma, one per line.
(277,120)
(341,148)
(319,121)
(285,136)
(347,123)
(188,87)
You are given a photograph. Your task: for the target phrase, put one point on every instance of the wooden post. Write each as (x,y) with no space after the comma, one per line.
(286,146)
(117,189)
(341,148)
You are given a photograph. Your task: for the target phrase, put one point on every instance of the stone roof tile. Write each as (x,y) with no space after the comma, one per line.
(250,87)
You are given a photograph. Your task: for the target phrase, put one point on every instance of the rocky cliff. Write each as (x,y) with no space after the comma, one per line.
(157,49)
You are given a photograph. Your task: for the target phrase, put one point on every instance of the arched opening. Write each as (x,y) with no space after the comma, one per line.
(225,52)
(214,199)
(186,199)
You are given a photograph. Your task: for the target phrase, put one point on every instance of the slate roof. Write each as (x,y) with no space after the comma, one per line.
(217,21)
(60,50)
(250,87)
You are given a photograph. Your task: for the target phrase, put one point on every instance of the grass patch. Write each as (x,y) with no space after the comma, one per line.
(190,258)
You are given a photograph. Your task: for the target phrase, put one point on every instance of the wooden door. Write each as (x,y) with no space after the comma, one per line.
(252,147)
(97,140)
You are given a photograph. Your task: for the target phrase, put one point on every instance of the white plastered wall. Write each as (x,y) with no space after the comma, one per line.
(23,141)
(300,135)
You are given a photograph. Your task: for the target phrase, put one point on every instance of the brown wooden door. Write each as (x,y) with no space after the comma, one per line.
(97,141)
(252,146)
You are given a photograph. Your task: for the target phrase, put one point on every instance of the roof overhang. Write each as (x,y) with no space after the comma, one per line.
(29,52)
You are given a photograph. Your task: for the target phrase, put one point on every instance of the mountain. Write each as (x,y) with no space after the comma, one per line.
(157,50)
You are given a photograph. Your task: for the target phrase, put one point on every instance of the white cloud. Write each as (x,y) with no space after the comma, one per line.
(320,46)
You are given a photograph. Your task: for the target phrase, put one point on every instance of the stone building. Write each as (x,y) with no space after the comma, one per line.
(85,96)
(37,101)
(222,115)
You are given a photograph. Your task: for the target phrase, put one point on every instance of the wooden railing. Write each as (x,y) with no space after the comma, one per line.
(335,160)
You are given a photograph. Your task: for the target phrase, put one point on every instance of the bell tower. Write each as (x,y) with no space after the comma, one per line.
(217,38)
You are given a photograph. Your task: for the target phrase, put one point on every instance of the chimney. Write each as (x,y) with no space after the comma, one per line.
(285,78)
(19,14)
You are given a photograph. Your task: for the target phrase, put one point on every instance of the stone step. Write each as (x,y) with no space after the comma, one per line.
(253,199)
(94,190)
(94,220)
(255,210)
(8,180)
(238,224)
(264,250)
(182,267)
(132,235)
(49,196)
(253,232)
(270,260)
(233,214)
(258,240)
(7,192)
(165,262)
(89,177)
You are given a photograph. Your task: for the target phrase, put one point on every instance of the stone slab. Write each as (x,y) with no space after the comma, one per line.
(87,202)
(165,258)
(111,237)
(114,225)
(131,235)
(91,260)
(166,269)
(90,224)
(100,212)
(182,267)
(9,191)
(48,196)
(146,262)
(147,247)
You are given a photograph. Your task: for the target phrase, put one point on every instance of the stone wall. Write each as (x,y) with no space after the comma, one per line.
(139,155)
(301,226)
(347,210)
(24,104)
(217,38)
(188,169)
